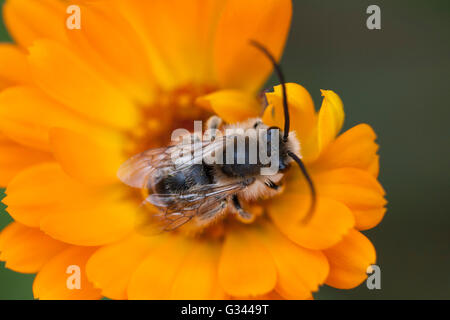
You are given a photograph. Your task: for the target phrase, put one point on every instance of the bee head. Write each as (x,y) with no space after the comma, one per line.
(283,147)
(286,154)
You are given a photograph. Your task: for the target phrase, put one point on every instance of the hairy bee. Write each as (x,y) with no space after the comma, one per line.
(203,183)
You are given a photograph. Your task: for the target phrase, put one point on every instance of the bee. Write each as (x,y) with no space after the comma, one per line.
(186,186)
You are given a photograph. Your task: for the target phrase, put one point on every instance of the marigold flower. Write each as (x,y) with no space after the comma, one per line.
(75,104)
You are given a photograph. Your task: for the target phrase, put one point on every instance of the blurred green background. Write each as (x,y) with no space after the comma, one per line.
(396,79)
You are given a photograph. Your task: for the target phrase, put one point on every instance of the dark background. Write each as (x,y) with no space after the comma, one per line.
(396,79)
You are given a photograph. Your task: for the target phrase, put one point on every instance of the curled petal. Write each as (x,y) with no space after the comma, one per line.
(303,118)
(331,118)
(231,105)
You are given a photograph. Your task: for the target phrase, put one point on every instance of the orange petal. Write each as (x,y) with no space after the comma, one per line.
(110,268)
(330,222)
(53,279)
(197,279)
(155,276)
(109,44)
(69,80)
(27,249)
(349,260)
(354,148)
(231,105)
(374,166)
(37,189)
(29,114)
(303,117)
(44,196)
(246,267)
(182,53)
(83,158)
(15,157)
(14,64)
(28,20)
(368,218)
(300,270)
(356,188)
(239,65)
(331,118)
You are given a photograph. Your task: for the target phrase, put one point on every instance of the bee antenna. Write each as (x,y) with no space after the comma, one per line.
(312,206)
(281,78)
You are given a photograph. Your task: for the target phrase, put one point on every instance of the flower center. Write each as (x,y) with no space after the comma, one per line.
(170,111)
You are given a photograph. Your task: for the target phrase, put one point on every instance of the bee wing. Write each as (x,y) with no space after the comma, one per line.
(137,170)
(204,202)
(195,198)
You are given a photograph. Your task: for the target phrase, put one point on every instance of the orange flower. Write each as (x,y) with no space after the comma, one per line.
(75,104)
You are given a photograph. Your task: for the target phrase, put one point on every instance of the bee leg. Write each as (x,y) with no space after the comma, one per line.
(212,125)
(237,206)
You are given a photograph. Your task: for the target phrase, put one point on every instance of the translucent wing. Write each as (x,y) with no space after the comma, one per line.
(202,202)
(137,170)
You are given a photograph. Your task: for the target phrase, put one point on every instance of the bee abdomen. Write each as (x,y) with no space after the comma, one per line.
(182,181)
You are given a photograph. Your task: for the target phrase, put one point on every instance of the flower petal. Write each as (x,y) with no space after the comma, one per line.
(182,53)
(303,119)
(197,279)
(356,188)
(231,105)
(28,20)
(52,280)
(69,80)
(14,64)
(300,270)
(83,158)
(44,196)
(330,222)
(239,65)
(110,268)
(36,190)
(27,249)
(154,277)
(15,157)
(331,118)
(109,44)
(354,148)
(246,267)
(29,114)
(349,260)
